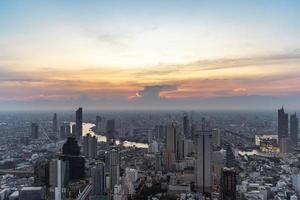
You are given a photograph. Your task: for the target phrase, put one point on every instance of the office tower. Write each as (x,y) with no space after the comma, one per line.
(186,126)
(78,132)
(160,131)
(90,146)
(158,163)
(181,149)
(55,125)
(34,131)
(114,161)
(98,180)
(153,147)
(216,139)
(73,131)
(282,123)
(171,138)
(98,124)
(59,177)
(230,158)
(110,127)
(193,131)
(32,193)
(41,173)
(171,146)
(228,184)
(294,128)
(65,131)
(70,153)
(203,159)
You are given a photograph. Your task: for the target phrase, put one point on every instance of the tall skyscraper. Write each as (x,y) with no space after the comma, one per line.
(59,177)
(98,180)
(203,159)
(55,126)
(283,122)
(228,184)
(98,124)
(34,131)
(283,129)
(216,139)
(171,145)
(294,128)
(181,149)
(90,146)
(65,131)
(114,161)
(186,126)
(78,124)
(70,153)
(110,127)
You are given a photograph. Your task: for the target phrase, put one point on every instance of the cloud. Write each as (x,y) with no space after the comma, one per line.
(153,92)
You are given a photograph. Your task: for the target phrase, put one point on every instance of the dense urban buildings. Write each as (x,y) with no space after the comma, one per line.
(149,156)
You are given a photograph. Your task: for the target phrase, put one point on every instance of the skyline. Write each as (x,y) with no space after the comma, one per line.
(137,53)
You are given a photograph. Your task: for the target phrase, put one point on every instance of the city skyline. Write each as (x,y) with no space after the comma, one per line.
(140,54)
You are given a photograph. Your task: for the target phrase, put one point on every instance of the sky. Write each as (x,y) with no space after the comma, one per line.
(110,54)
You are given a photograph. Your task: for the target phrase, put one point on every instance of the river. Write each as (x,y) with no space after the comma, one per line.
(87,129)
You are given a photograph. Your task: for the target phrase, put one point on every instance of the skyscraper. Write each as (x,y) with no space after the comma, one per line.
(186,126)
(228,184)
(216,139)
(70,153)
(114,167)
(171,145)
(78,131)
(90,146)
(283,129)
(181,149)
(65,131)
(98,180)
(110,127)
(294,128)
(98,123)
(55,126)
(203,159)
(59,177)
(283,122)
(34,131)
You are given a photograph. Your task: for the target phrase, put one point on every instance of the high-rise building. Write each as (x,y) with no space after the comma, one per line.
(55,125)
(171,146)
(65,131)
(114,161)
(90,146)
(110,127)
(294,128)
(186,126)
(203,160)
(283,129)
(228,184)
(230,160)
(283,122)
(98,124)
(216,139)
(78,131)
(70,153)
(181,148)
(98,180)
(34,131)
(59,177)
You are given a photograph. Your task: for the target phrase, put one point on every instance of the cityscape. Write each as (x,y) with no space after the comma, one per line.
(149,155)
(149,100)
